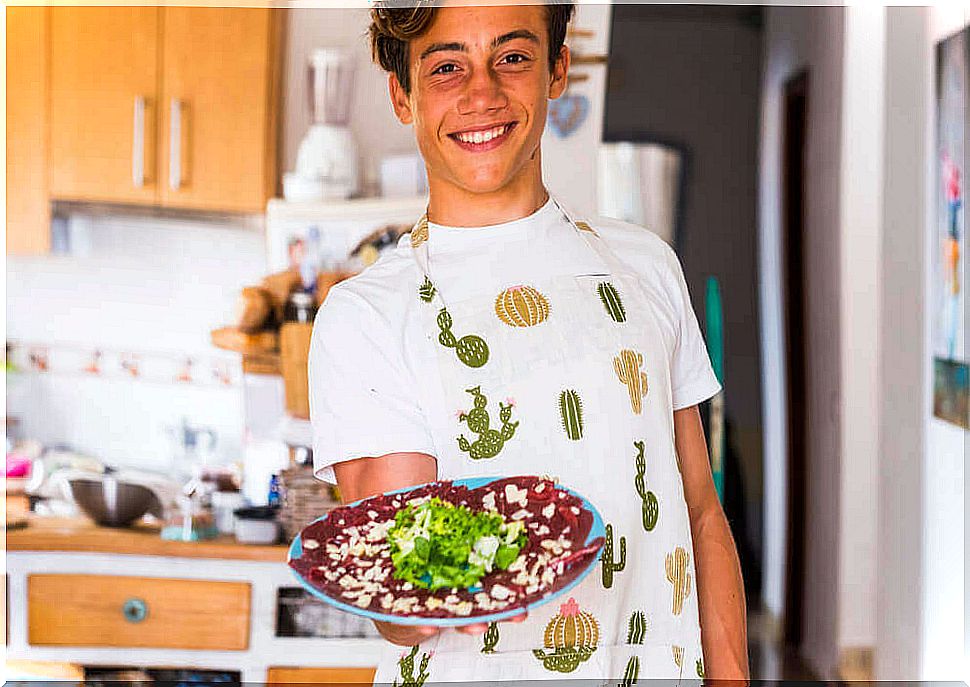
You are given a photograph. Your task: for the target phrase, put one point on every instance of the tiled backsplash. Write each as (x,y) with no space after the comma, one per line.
(133,284)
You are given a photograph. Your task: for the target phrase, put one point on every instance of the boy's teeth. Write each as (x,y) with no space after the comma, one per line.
(482,136)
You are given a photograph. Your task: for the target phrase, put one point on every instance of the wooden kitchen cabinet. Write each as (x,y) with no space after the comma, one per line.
(116,611)
(167,106)
(28,209)
(219,82)
(104,103)
(279,676)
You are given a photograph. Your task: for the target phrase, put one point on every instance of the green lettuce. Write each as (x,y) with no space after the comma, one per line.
(437,544)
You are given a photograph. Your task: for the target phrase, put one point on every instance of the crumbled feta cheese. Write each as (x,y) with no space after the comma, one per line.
(499,592)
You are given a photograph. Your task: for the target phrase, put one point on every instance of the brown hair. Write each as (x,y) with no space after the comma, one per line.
(394,25)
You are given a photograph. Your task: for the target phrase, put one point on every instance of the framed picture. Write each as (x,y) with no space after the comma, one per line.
(949,288)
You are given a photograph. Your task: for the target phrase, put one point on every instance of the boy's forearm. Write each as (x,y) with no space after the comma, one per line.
(723,615)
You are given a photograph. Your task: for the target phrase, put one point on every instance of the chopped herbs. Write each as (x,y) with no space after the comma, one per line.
(437,544)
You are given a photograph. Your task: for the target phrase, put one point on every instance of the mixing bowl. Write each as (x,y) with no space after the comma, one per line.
(110,502)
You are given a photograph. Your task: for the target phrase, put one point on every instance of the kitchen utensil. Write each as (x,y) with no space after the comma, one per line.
(295,350)
(256,525)
(224,505)
(328,154)
(189,521)
(111,502)
(579,562)
(193,448)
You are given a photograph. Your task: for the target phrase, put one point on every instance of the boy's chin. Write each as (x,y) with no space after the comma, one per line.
(488,183)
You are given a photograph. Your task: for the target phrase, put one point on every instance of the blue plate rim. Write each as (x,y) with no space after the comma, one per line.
(598,529)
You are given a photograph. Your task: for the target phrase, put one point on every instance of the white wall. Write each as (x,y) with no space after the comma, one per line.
(861,235)
(145,285)
(946,455)
(797,38)
(569,165)
(922,597)
(904,389)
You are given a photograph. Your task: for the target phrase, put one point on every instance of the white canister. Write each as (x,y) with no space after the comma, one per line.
(224,504)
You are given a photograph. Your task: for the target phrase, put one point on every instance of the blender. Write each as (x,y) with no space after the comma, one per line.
(326,162)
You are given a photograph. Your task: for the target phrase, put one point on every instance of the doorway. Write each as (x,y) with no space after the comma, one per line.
(796,342)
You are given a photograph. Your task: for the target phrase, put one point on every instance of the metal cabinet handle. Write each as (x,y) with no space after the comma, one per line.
(134,610)
(175,145)
(138,143)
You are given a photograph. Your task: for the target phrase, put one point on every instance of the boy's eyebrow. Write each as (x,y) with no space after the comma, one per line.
(499,40)
(440,47)
(512,35)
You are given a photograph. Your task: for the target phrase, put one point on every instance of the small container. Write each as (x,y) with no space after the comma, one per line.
(224,505)
(256,525)
(301,307)
(189,522)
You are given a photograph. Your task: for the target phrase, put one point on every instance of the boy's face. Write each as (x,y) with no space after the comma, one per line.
(480,82)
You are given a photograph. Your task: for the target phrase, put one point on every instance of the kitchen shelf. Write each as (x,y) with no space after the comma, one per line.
(83,535)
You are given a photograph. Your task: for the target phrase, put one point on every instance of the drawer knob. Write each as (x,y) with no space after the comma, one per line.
(134,610)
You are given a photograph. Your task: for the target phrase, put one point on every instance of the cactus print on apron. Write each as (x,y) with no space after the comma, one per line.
(567,375)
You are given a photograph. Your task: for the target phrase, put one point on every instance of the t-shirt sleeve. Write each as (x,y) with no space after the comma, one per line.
(692,377)
(362,402)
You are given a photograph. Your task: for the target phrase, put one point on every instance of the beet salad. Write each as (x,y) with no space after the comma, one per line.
(443,550)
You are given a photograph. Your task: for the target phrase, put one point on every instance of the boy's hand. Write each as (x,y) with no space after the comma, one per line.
(409,635)
(405,635)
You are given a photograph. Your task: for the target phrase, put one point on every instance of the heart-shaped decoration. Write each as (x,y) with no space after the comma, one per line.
(567,113)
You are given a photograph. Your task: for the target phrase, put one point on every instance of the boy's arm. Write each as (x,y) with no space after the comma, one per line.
(358,479)
(719,586)
(363,477)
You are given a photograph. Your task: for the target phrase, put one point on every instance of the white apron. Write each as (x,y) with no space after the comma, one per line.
(576,386)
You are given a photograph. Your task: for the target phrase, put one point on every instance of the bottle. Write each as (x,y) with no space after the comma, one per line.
(275,497)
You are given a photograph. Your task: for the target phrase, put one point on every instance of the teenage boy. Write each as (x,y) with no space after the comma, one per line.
(500,299)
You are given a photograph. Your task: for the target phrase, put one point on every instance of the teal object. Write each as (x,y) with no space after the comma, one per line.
(135,610)
(715,347)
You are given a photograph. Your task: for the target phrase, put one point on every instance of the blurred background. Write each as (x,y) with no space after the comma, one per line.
(185,183)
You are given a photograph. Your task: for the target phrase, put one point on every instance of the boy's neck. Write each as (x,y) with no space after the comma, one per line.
(452,206)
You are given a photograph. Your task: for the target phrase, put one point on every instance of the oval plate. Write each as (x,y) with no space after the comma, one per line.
(597,530)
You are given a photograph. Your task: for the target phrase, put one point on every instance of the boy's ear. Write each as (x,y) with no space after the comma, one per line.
(557,84)
(399,100)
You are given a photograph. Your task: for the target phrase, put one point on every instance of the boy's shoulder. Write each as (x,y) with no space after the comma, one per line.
(640,248)
(385,286)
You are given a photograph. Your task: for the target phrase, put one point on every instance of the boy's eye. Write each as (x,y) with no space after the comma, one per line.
(447,68)
(515,58)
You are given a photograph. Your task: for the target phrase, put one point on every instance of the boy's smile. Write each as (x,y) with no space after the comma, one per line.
(481,140)
(480,83)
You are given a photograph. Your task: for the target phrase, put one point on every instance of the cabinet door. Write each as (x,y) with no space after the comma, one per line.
(104,84)
(219,86)
(28,209)
(110,611)
(276,676)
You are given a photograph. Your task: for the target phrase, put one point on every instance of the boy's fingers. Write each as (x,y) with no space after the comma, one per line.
(478,628)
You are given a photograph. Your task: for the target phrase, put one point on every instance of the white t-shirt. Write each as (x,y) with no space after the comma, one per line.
(367,392)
